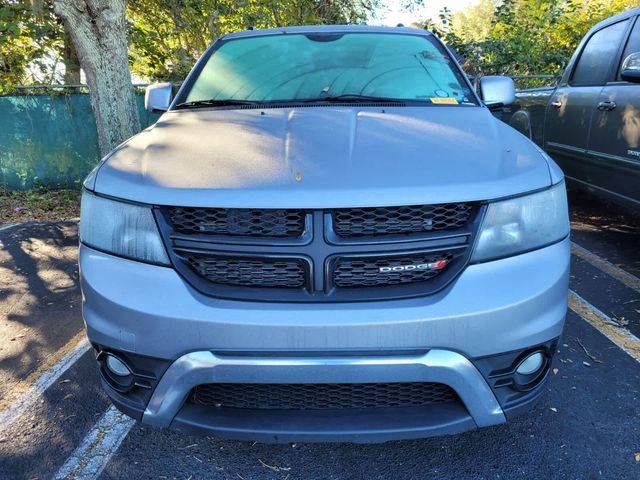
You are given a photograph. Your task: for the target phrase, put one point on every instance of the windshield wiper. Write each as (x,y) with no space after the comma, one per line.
(216,103)
(346,97)
(352,97)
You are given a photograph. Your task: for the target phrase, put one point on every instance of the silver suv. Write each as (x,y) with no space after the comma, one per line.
(327,236)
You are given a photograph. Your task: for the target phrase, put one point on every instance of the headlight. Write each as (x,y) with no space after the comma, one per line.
(521,224)
(121,229)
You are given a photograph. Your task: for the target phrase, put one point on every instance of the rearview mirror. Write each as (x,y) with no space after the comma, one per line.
(157,97)
(630,71)
(497,91)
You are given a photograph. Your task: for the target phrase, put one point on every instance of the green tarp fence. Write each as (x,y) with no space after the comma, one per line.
(50,140)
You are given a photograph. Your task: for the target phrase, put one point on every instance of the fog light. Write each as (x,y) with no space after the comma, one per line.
(531,364)
(117,366)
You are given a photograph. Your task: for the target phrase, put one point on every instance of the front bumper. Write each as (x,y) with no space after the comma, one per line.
(508,305)
(435,366)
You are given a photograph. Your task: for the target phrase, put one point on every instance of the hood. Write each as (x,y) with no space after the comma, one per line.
(323,157)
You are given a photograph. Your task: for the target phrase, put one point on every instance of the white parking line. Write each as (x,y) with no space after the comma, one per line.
(22,397)
(607,267)
(7,227)
(98,446)
(617,334)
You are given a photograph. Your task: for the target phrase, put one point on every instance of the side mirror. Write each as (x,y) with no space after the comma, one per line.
(630,71)
(157,97)
(497,91)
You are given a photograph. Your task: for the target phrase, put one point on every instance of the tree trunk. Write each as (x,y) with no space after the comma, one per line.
(71,62)
(98,31)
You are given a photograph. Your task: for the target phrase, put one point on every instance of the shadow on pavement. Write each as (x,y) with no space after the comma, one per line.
(40,301)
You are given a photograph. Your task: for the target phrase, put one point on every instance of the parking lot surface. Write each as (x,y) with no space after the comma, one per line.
(56,423)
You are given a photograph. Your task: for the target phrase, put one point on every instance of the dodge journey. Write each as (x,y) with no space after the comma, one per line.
(326,236)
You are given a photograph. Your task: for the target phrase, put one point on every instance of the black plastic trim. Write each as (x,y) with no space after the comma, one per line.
(500,373)
(304,239)
(317,250)
(351,425)
(249,293)
(428,287)
(438,237)
(122,402)
(131,399)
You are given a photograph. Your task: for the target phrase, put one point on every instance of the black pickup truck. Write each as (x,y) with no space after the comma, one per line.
(590,122)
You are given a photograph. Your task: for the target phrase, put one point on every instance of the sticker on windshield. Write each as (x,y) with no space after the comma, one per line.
(447,101)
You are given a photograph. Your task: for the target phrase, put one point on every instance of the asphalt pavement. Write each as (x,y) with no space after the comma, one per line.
(55,422)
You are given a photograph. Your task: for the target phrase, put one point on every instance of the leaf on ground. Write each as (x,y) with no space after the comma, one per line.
(68,396)
(637,457)
(620,321)
(555,371)
(586,364)
(586,352)
(553,409)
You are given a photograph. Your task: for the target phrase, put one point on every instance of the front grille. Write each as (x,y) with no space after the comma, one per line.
(237,222)
(380,221)
(321,397)
(306,255)
(365,271)
(249,272)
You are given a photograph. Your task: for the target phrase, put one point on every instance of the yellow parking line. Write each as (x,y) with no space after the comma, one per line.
(618,335)
(609,268)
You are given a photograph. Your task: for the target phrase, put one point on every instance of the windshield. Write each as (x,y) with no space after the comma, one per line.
(322,66)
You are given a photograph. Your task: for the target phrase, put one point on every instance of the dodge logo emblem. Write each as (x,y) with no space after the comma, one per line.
(439,265)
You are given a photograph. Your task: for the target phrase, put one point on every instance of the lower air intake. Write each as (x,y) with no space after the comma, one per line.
(320,396)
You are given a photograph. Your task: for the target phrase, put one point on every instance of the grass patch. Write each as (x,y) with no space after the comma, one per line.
(38,204)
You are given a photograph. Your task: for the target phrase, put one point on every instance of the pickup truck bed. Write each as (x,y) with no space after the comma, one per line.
(529,115)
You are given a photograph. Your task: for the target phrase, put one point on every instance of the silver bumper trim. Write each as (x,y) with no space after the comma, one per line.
(442,366)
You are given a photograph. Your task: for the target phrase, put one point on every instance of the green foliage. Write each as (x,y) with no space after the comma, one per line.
(168,36)
(30,35)
(522,37)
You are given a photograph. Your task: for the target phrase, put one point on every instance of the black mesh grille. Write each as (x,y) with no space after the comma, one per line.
(307,255)
(237,222)
(321,397)
(366,271)
(375,221)
(249,272)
